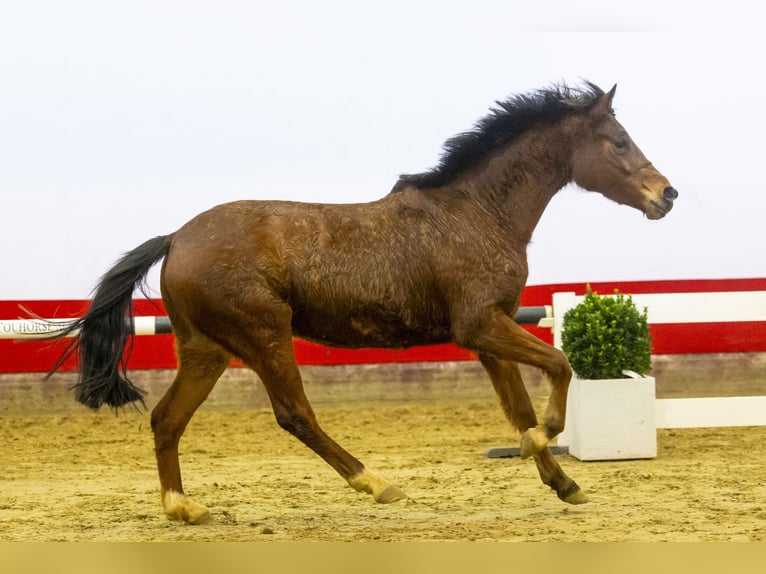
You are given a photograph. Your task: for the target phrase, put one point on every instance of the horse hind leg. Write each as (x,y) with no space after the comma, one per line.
(274,362)
(200,364)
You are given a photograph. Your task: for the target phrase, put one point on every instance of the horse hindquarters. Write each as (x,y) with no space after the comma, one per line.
(254,325)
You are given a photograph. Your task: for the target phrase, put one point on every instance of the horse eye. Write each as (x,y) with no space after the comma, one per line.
(621,144)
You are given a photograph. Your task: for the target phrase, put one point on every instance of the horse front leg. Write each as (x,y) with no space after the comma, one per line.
(518,408)
(498,336)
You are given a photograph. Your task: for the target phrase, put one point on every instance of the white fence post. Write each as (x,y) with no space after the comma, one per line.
(562,302)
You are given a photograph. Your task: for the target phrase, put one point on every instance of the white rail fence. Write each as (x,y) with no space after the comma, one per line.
(675,308)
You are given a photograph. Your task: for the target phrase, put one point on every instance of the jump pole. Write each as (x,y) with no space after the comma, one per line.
(26,329)
(30,329)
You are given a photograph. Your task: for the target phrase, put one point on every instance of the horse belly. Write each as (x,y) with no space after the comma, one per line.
(369,328)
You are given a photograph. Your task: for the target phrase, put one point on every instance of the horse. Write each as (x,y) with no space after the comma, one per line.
(439,259)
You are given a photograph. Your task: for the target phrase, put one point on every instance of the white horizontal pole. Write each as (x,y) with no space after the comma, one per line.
(30,329)
(710,412)
(674,308)
(25,329)
(724,307)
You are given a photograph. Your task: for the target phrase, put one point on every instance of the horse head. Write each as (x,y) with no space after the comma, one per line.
(607,160)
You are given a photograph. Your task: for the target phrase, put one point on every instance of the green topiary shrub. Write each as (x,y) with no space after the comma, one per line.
(603,336)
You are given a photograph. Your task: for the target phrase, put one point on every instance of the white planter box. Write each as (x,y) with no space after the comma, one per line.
(611,419)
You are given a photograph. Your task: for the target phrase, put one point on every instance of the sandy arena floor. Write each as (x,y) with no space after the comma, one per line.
(91,476)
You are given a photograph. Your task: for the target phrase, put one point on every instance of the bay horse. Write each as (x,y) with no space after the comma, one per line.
(440,259)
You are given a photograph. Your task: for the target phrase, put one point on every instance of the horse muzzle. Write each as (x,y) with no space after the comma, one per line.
(662,206)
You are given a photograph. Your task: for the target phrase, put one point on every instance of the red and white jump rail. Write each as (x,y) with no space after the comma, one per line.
(31,329)
(696,308)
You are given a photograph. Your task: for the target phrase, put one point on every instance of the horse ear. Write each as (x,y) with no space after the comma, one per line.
(603,105)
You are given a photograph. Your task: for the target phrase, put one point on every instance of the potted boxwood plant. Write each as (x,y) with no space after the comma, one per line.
(611,403)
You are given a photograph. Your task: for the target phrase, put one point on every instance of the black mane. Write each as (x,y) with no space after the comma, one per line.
(505,122)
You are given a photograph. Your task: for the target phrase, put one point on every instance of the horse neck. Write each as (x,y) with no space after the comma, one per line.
(517,184)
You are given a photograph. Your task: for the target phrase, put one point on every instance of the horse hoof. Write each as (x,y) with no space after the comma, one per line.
(390,494)
(578,497)
(184,509)
(380,489)
(532,441)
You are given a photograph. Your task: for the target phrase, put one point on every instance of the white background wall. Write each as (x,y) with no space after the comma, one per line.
(122,120)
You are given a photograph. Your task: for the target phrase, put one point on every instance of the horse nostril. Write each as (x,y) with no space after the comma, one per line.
(670,193)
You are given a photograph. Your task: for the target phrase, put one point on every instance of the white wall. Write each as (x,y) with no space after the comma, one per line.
(119,121)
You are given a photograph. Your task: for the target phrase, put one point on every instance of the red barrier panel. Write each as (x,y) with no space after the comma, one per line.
(156,352)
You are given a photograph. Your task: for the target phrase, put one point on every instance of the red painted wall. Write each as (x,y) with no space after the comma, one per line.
(156,352)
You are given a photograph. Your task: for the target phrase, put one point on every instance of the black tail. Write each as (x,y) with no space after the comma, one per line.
(105,334)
